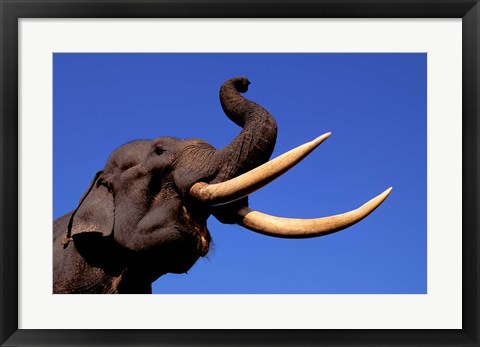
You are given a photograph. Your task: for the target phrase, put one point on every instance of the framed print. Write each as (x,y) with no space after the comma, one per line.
(112,129)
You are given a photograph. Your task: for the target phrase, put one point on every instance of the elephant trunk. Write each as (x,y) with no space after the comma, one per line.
(255,143)
(251,148)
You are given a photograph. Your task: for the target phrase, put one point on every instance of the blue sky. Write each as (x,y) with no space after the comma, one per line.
(374,105)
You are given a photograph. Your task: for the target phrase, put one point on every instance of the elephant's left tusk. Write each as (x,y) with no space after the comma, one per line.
(245,184)
(304,228)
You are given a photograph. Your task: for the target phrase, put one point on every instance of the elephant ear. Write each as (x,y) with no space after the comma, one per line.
(95,212)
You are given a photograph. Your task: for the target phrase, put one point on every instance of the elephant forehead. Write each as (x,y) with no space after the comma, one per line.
(128,155)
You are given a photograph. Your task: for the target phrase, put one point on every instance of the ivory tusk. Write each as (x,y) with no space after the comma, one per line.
(245,184)
(305,228)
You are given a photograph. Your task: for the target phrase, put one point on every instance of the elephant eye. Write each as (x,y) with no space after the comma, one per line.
(159,150)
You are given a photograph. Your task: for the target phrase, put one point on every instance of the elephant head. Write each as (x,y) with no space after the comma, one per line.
(145,214)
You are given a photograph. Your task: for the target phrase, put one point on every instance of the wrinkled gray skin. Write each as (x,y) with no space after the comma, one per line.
(136,221)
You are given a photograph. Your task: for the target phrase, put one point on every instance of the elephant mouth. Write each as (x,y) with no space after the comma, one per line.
(196,226)
(199,236)
(203,240)
(203,246)
(178,253)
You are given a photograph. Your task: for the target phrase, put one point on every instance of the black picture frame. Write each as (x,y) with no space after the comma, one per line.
(12,10)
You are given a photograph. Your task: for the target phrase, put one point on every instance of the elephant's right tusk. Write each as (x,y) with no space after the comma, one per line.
(304,228)
(245,184)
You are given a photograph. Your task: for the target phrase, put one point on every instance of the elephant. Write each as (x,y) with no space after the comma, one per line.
(145,213)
